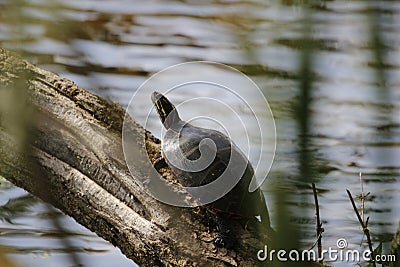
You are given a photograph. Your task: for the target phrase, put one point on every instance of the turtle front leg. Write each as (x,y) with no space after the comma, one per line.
(159,163)
(225,236)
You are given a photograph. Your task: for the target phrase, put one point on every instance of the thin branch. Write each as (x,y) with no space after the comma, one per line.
(318,225)
(316,241)
(363,225)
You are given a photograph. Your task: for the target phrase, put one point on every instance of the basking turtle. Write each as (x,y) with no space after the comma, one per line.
(182,138)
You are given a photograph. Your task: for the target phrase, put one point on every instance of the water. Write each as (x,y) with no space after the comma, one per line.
(112,47)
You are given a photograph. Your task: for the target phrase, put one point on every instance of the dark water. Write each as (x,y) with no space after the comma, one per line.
(112,47)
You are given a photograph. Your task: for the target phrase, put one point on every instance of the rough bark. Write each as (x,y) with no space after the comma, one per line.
(73,159)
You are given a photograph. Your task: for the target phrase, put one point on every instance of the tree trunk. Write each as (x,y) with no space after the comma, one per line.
(68,152)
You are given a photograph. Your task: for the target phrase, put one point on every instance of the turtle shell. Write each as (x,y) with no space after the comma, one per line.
(238,201)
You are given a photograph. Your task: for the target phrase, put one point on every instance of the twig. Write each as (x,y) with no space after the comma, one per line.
(318,225)
(362,196)
(315,243)
(363,225)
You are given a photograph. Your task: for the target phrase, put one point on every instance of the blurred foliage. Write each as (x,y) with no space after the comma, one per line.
(4,260)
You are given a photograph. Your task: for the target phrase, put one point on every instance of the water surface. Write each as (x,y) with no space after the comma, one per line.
(112,47)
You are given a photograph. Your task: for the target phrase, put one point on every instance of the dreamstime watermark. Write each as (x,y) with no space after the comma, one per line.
(340,253)
(209,95)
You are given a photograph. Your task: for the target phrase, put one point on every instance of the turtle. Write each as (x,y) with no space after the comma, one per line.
(184,138)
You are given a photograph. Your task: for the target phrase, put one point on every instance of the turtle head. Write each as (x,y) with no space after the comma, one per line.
(165,109)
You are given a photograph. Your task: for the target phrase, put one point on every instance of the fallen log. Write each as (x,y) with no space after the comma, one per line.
(70,155)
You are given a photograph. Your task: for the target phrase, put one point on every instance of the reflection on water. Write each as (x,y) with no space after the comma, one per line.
(34,234)
(111,47)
